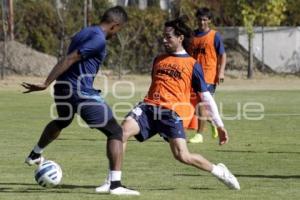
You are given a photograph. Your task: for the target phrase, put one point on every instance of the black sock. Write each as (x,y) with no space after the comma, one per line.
(115,184)
(34,155)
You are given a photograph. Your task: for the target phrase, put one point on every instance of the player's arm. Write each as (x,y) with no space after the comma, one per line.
(221,67)
(210,105)
(62,66)
(199,86)
(221,57)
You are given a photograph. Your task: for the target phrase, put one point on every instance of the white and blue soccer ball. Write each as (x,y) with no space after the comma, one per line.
(48,174)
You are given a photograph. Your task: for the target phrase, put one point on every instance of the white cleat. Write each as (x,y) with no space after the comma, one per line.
(123,191)
(103,188)
(228,178)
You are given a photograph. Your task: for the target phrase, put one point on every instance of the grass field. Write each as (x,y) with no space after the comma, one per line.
(264,154)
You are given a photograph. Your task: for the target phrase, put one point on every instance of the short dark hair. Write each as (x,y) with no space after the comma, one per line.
(204,11)
(115,14)
(181,28)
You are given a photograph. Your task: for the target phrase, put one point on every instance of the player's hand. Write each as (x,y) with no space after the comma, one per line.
(221,78)
(33,87)
(223,135)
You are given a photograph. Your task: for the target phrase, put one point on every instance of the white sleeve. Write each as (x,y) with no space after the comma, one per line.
(212,108)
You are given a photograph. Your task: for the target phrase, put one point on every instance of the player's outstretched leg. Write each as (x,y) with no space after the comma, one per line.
(225,176)
(182,154)
(50,133)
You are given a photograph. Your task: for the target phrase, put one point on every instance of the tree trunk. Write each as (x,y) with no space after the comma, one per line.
(10,20)
(60,12)
(164,4)
(143,4)
(5,39)
(250,59)
(263,48)
(174,9)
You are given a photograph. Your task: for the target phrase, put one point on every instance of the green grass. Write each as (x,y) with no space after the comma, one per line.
(264,154)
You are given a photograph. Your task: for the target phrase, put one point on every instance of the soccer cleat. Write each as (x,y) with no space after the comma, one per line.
(198,138)
(34,159)
(103,188)
(228,178)
(122,190)
(214,131)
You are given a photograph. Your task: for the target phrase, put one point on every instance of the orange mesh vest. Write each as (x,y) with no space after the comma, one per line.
(203,50)
(171,85)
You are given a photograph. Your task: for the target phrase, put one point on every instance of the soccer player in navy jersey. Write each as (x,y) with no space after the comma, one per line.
(74,93)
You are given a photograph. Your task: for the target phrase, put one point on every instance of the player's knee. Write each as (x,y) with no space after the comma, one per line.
(182,157)
(61,124)
(112,130)
(126,133)
(116,135)
(130,128)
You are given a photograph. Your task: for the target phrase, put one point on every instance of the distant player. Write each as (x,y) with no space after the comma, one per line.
(167,104)
(74,93)
(208,49)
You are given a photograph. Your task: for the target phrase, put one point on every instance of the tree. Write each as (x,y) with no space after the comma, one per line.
(269,12)
(292,13)
(4,28)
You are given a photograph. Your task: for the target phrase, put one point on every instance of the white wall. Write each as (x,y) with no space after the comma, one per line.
(281,46)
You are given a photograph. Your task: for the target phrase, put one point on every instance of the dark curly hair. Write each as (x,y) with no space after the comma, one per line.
(203,11)
(180,28)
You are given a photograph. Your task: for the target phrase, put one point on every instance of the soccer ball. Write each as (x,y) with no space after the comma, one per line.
(48,174)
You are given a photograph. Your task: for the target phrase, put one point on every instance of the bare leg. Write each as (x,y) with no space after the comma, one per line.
(114,154)
(182,154)
(50,133)
(201,126)
(130,128)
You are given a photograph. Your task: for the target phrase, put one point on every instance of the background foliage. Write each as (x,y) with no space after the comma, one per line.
(37,24)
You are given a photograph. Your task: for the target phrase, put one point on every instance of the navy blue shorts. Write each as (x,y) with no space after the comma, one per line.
(91,108)
(154,119)
(211,88)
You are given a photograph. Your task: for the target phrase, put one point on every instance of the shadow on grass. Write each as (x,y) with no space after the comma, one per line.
(250,176)
(201,188)
(34,188)
(247,151)
(188,175)
(269,176)
(289,152)
(238,151)
(160,189)
(81,139)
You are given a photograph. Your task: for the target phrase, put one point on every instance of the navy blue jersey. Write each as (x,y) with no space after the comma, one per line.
(90,43)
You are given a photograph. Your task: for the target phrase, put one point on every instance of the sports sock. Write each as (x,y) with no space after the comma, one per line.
(38,149)
(115,175)
(115,184)
(216,171)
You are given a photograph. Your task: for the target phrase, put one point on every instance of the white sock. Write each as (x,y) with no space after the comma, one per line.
(216,171)
(38,149)
(115,175)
